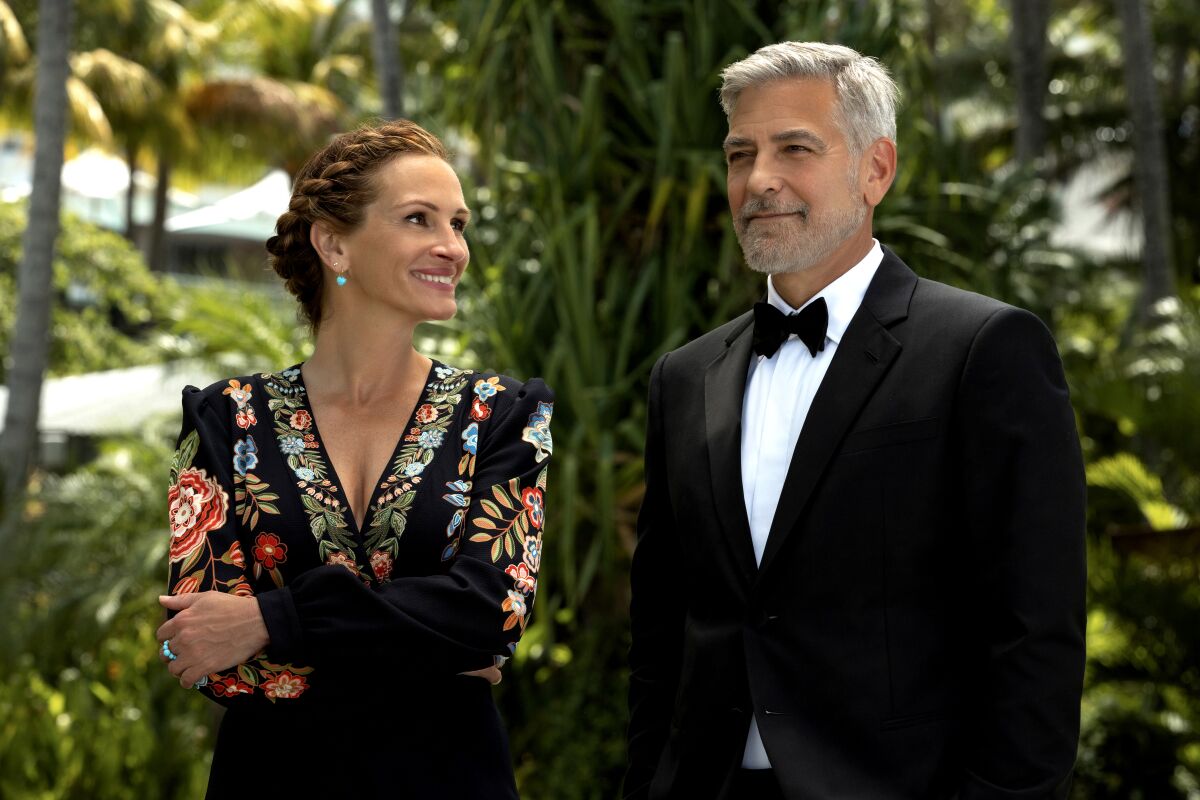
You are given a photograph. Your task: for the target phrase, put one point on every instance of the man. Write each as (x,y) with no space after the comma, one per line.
(860,561)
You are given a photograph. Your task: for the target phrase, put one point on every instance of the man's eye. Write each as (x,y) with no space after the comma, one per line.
(736,156)
(798,148)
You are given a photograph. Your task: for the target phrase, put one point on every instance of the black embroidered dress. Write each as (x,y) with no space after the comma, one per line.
(358,691)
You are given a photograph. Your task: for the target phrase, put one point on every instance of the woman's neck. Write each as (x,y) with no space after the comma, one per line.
(364,367)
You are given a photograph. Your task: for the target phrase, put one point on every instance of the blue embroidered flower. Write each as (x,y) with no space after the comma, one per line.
(537,433)
(305,474)
(291,373)
(533,552)
(471,438)
(414,469)
(430,439)
(245,455)
(485,389)
(459,486)
(291,445)
(456,500)
(444,372)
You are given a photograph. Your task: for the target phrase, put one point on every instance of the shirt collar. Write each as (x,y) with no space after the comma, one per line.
(842,297)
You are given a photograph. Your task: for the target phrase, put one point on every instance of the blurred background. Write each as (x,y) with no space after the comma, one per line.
(1049,156)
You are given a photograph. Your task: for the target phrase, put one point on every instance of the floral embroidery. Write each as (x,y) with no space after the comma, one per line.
(241,396)
(229,686)
(531,498)
(291,445)
(305,474)
(381,565)
(234,555)
(269,553)
(480,410)
(488,388)
(301,420)
(284,685)
(513,518)
(245,456)
(341,559)
(197,505)
(189,584)
(537,432)
(434,415)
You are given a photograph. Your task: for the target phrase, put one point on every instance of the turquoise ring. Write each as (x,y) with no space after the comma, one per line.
(166,651)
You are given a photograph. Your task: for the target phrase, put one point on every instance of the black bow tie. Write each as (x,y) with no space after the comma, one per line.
(772,327)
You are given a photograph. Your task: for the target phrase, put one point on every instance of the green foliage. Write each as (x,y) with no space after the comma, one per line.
(107,305)
(86,709)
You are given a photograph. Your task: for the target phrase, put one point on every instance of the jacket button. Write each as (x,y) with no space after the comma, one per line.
(763,620)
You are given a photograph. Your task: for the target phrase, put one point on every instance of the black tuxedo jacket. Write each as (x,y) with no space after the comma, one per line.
(916,626)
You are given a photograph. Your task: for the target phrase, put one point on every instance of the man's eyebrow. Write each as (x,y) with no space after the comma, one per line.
(431,206)
(799,135)
(733,142)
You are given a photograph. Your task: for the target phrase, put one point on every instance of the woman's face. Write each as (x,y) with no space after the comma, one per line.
(409,253)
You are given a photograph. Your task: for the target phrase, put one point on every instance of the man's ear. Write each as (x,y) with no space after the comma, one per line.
(877,171)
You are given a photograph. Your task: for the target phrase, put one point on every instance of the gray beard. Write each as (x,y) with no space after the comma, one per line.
(796,244)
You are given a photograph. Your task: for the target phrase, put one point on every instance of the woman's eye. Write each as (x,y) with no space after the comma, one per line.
(417,217)
(458,225)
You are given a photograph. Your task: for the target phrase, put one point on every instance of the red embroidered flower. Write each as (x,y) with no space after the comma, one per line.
(532,499)
(426,414)
(284,685)
(245,418)
(234,555)
(242,588)
(301,420)
(230,686)
(338,557)
(187,585)
(197,505)
(480,410)
(269,551)
(520,574)
(381,564)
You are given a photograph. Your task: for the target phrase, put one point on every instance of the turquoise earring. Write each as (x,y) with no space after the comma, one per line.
(341,278)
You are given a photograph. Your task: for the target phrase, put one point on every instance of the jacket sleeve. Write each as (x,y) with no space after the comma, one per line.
(205,553)
(466,617)
(1024,508)
(656,613)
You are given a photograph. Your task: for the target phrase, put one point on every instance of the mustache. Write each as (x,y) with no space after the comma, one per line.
(761,205)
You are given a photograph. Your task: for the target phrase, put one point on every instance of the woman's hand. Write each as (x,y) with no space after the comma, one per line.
(212,631)
(490,674)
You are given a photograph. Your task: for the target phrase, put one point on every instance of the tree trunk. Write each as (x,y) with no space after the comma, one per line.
(31,335)
(157,249)
(1028,50)
(131,151)
(388,69)
(1150,157)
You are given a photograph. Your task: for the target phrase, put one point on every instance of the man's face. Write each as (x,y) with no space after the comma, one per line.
(792,182)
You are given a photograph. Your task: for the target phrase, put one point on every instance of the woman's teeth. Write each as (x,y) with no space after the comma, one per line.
(446,279)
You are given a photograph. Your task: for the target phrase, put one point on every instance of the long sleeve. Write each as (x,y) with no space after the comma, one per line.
(205,551)
(473,611)
(1024,504)
(656,612)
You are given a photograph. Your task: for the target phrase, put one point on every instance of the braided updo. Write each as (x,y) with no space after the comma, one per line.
(335,187)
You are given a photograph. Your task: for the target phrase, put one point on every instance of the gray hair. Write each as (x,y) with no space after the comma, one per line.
(866,94)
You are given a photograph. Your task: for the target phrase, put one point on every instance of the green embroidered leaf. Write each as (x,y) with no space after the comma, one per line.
(247,674)
(514,487)
(496,545)
(485,523)
(311,504)
(492,509)
(268,508)
(508,545)
(523,523)
(405,501)
(317,524)
(184,454)
(500,495)
(541,478)
(399,521)
(481,537)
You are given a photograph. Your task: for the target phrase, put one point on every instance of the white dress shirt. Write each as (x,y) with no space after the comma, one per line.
(779,392)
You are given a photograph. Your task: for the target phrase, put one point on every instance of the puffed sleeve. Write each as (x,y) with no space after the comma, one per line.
(205,552)
(465,617)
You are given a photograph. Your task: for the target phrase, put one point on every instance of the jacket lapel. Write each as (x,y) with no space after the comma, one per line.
(724,387)
(863,357)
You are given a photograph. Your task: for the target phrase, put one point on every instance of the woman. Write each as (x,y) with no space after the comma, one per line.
(347,592)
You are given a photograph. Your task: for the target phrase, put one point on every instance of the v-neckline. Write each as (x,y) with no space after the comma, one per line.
(381,479)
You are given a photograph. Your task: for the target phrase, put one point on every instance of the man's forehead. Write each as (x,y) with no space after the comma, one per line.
(787,102)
